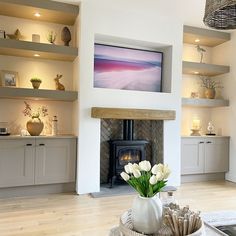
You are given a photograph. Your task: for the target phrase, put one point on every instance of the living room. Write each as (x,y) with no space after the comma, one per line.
(156,25)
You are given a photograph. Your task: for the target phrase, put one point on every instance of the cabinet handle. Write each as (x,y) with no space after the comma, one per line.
(201,142)
(41,144)
(29,144)
(209,142)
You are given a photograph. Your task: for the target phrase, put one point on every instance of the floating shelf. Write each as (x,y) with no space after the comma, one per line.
(207,37)
(51,11)
(38,94)
(29,49)
(204,69)
(203,102)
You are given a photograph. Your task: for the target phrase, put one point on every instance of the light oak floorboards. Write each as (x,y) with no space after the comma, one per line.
(73,215)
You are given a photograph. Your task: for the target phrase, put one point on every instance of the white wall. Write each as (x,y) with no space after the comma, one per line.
(154,22)
(225,53)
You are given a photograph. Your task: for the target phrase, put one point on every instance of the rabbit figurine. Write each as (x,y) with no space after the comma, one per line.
(59,86)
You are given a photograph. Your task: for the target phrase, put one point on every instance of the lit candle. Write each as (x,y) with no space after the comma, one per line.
(196,124)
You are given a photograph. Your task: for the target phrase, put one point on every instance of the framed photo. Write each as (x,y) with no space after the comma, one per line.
(9,78)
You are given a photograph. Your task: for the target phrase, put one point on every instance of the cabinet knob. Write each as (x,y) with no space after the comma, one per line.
(29,144)
(41,144)
(201,142)
(209,142)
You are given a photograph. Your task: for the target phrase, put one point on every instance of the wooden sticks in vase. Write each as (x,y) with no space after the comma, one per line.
(182,221)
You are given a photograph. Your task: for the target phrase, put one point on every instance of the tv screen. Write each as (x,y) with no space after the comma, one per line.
(127,68)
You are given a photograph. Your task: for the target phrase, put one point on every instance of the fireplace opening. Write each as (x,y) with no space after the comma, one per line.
(123,151)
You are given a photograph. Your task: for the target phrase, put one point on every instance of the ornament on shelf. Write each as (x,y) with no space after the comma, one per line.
(35,82)
(59,86)
(66,36)
(54,126)
(210,129)
(17,35)
(36,38)
(201,51)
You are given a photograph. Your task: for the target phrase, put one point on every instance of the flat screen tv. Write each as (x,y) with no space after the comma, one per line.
(127,68)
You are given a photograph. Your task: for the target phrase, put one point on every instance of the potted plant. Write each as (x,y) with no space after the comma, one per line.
(210,86)
(35,82)
(35,125)
(148,182)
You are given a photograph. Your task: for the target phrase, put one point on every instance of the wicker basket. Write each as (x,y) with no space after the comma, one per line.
(126,227)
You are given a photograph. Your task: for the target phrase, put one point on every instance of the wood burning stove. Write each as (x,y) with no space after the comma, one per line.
(125,150)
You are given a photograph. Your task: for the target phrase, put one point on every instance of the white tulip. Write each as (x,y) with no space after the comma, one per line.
(145,165)
(136,173)
(155,169)
(160,167)
(166,172)
(136,167)
(153,180)
(159,176)
(125,176)
(128,168)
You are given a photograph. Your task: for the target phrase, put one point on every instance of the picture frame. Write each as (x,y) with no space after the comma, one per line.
(9,78)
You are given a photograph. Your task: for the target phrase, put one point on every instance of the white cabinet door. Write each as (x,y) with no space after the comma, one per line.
(216,155)
(192,156)
(17,162)
(55,161)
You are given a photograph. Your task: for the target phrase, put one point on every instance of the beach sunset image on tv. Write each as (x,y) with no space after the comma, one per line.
(127,68)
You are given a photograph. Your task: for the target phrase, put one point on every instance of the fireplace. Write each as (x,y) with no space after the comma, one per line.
(123,151)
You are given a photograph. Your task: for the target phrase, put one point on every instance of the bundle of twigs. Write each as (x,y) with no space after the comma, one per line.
(182,221)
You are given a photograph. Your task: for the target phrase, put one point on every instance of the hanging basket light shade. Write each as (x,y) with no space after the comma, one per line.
(220,14)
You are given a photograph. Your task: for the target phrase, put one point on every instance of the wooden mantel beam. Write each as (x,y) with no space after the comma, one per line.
(134,114)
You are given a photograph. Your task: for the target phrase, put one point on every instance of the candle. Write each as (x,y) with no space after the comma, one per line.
(196,124)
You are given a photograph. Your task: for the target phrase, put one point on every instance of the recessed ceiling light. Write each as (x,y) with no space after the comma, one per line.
(197,40)
(37,14)
(36,55)
(196,72)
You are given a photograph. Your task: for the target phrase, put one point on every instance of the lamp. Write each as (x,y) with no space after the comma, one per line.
(220,14)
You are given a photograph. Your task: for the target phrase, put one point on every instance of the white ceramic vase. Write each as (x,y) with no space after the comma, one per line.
(147,214)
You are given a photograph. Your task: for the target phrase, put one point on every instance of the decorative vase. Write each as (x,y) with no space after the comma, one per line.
(66,36)
(35,84)
(147,214)
(210,93)
(34,126)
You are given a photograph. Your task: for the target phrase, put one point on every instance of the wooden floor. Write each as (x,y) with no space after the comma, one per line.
(72,215)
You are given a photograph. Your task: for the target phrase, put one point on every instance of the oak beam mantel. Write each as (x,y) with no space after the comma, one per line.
(134,114)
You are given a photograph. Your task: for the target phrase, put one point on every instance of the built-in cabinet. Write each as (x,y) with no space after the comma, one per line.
(204,155)
(34,161)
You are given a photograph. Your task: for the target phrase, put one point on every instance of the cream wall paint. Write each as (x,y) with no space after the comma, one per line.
(147,23)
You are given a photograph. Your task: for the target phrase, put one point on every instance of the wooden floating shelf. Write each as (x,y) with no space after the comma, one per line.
(204,69)
(12,47)
(51,11)
(134,114)
(207,37)
(203,102)
(38,94)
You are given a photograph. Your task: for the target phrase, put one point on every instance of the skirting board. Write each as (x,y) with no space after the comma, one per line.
(36,190)
(202,177)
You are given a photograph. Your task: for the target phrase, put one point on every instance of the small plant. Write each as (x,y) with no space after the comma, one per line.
(40,111)
(208,83)
(35,79)
(51,37)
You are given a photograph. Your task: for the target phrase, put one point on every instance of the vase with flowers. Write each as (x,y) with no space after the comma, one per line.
(210,86)
(35,125)
(148,182)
